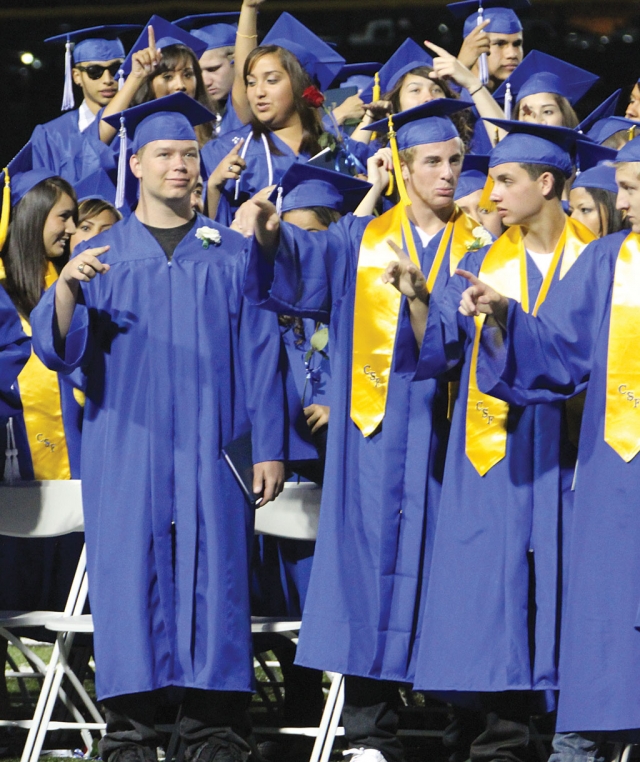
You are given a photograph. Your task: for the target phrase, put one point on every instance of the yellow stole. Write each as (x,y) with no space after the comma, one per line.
(505,269)
(622,410)
(377,306)
(40,396)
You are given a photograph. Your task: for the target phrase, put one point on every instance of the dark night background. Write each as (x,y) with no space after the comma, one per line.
(603,37)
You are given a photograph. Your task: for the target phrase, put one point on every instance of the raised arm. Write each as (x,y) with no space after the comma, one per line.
(246,41)
(378,168)
(82,268)
(142,64)
(409,280)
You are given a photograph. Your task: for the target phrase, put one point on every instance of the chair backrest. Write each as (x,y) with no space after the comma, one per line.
(41,509)
(293,514)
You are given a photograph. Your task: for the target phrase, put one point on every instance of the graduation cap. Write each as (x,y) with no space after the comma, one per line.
(423,124)
(358,75)
(96,185)
(605,128)
(96,43)
(603,176)
(408,56)
(606,109)
(531,143)
(218,30)
(426,123)
(317,58)
(473,177)
(542,73)
(171,117)
(501,13)
(17,179)
(629,152)
(590,155)
(166,34)
(303,186)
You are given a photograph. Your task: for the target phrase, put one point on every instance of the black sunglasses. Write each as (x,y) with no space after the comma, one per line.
(95,71)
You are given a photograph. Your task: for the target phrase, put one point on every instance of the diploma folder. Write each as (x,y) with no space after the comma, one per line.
(238,456)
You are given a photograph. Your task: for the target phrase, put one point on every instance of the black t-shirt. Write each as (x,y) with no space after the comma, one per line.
(169,238)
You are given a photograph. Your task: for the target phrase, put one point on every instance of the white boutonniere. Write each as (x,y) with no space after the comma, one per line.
(482,238)
(208,236)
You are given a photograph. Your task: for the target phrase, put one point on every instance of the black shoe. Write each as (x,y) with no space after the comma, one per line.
(215,750)
(133,753)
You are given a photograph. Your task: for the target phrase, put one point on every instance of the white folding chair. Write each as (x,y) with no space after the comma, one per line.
(294,515)
(47,509)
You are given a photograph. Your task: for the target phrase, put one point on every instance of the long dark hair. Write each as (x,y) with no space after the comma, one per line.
(24,255)
(300,80)
(611,219)
(172,57)
(461,119)
(569,116)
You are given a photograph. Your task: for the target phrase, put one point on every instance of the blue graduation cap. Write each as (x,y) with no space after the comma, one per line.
(303,186)
(501,13)
(603,176)
(17,179)
(542,73)
(473,177)
(408,56)
(606,109)
(317,58)
(166,34)
(96,185)
(218,30)
(96,43)
(171,117)
(589,154)
(629,152)
(358,75)
(530,143)
(605,128)
(426,123)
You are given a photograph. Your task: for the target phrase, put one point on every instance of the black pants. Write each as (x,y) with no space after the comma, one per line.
(219,715)
(370,716)
(498,732)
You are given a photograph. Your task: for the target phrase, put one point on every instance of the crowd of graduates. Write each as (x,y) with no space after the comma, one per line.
(415,283)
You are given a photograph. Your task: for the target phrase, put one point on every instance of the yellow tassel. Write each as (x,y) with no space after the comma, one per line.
(391,187)
(404,198)
(485,200)
(376,87)
(632,132)
(6,209)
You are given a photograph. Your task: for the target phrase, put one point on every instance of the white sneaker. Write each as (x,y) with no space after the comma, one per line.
(364,755)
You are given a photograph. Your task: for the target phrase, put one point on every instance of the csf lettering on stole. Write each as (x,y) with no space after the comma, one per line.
(484,411)
(46,442)
(629,395)
(372,375)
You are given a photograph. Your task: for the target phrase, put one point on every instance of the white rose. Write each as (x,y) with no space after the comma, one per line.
(208,236)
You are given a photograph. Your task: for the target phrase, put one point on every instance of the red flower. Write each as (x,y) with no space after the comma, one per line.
(313,96)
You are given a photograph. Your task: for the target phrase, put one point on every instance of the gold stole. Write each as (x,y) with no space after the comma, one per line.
(505,269)
(377,306)
(40,396)
(622,411)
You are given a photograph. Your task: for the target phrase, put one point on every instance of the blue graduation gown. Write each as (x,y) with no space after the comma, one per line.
(15,350)
(230,121)
(548,358)
(477,633)
(177,365)
(59,146)
(380,493)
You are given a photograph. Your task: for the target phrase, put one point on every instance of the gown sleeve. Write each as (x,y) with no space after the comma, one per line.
(311,271)
(549,357)
(15,350)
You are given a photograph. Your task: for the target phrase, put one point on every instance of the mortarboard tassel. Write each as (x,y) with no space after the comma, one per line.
(375,96)
(122,165)
(120,79)
(279,201)
(508,102)
(485,199)
(632,132)
(397,169)
(6,209)
(11,465)
(482,61)
(67,97)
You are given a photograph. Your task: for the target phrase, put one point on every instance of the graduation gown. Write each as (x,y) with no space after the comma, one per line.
(59,146)
(15,350)
(548,358)
(479,633)
(380,493)
(177,365)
